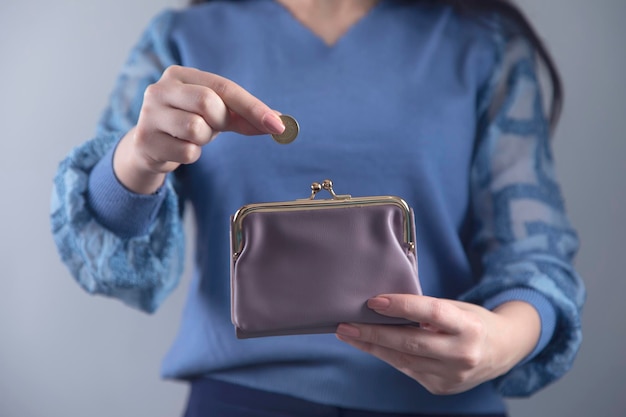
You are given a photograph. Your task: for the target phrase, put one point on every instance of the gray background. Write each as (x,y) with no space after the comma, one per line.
(64,353)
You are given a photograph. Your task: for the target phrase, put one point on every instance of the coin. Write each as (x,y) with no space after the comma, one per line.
(291,130)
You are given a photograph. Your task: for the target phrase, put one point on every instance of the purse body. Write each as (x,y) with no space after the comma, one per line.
(305,266)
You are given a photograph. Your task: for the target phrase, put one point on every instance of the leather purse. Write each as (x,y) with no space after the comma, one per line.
(304,266)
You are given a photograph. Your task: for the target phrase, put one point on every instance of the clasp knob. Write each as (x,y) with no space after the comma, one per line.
(327,185)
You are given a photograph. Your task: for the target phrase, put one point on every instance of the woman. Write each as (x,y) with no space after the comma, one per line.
(440,105)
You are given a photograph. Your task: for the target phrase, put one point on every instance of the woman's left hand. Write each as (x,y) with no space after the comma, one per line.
(457,345)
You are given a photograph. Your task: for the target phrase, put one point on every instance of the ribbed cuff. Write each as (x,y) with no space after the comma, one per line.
(120,210)
(546,311)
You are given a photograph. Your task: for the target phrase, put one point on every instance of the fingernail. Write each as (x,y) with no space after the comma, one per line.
(348,331)
(378,303)
(273,123)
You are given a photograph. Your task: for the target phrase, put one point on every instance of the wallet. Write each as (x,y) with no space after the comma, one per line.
(304,266)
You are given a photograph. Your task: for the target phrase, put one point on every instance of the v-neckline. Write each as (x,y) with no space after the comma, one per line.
(319,38)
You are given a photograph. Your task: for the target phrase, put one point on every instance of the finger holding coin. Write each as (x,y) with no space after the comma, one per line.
(292,128)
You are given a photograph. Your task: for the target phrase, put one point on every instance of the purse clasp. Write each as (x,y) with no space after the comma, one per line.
(327,185)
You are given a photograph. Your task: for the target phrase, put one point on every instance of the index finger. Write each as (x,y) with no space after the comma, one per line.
(236,98)
(441,313)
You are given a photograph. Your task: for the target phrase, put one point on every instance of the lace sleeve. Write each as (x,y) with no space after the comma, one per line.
(139,270)
(522,234)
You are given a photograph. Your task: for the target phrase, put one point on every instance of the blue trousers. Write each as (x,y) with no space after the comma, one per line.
(212,398)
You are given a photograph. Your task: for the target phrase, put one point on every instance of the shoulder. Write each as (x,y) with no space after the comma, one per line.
(514,67)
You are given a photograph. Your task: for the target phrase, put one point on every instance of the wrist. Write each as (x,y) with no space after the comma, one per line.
(132,170)
(543,306)
(519,331)
(120,210)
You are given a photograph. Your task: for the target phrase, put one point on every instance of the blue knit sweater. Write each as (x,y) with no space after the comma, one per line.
(413,101)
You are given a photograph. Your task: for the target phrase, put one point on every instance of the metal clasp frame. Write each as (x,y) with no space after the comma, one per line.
(327,185)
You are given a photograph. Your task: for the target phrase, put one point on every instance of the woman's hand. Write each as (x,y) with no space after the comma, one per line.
(180,113)
(457,345)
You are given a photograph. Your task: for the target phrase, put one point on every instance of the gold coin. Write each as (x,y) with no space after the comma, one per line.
(291,130)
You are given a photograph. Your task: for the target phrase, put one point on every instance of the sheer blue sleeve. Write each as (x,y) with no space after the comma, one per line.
(140,267)
(523,237)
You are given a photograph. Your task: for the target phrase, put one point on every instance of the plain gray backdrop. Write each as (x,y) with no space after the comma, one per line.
(65,353)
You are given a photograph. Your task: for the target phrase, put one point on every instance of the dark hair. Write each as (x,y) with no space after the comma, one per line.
(482,10)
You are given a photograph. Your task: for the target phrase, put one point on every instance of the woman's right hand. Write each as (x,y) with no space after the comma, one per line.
(180,114)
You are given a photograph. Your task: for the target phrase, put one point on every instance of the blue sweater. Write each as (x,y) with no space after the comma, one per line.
(413,101)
